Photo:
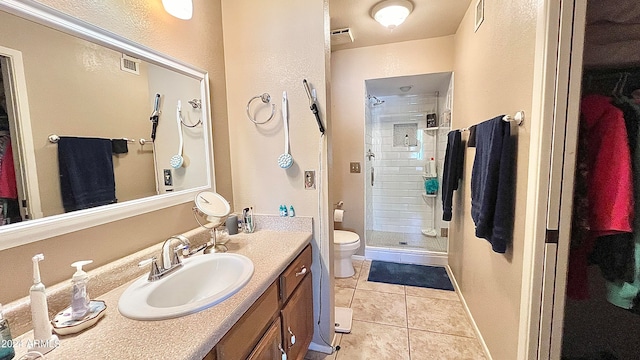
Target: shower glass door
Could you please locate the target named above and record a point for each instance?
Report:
(398, 147)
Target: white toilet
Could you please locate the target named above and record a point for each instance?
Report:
(345, 244)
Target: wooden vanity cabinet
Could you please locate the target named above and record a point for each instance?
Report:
(268, 328)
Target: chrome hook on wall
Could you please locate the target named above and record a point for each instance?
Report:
(265, 98)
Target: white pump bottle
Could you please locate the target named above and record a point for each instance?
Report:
(80, 297)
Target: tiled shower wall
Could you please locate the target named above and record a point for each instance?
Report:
(397, 204)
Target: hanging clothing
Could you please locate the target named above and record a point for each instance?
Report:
(452, 173)
(624, 293)
(8, 187)
(604, 164)
(609, 161)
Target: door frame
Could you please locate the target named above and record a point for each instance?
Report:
(557, 82)
(20, 129)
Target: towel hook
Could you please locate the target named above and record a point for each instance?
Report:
(265, 98)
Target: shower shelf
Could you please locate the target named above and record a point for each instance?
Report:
(426, 196)
(430, 128)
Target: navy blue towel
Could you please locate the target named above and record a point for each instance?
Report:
(492, 183)
(86, 172)
(452, 173)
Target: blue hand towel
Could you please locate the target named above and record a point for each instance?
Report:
(492, 183)
(86, 172)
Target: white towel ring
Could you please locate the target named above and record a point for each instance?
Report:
(266, 98)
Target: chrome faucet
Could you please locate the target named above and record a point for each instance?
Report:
(170, 257)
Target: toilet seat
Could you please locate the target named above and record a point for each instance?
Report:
(343, 237)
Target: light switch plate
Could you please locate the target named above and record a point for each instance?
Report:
(168, 177)
(354, 167)
(309, 179)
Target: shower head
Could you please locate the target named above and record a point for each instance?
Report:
(375, 100)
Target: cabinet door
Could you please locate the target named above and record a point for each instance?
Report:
(297, 320)
(270, 346)
(245, 334)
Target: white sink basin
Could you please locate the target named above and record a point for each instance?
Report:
(203, 281)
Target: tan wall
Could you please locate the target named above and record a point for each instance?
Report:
(197, 41)
(349, 70)
(80, 91)
(493, 76)
(271, 47)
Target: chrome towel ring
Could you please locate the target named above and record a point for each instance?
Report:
(266, 98)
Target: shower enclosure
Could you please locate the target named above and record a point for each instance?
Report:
(401, 139)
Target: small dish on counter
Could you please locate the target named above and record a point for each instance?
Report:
(63, 324)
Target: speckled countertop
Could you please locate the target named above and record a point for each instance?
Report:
(191, 336)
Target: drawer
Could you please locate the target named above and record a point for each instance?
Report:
(245, 334)
(294, 274)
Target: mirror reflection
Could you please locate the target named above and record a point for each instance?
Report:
(86, 139)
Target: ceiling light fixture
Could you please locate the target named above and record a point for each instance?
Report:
(391, 13)
(182, 9)
(405, 88)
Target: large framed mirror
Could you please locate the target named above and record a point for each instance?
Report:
(69, 89)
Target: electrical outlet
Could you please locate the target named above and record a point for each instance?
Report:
(309, 179)
(354, 167)
(168, 177)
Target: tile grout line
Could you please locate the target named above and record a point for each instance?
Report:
(444, 333)
(406, 309)
(379, 323)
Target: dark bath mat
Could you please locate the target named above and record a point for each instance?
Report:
(412, 275)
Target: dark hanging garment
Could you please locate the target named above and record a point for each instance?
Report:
(452, 173)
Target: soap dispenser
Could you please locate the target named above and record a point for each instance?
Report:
(80, 297)
(43, 340)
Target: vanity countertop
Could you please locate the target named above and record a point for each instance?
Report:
(187, 337)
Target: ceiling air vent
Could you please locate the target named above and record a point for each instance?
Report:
(341, 36)
(130, 64)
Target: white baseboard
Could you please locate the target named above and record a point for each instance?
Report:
(405, 256)
(469, 316)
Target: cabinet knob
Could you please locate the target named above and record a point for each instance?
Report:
(302, 271)
(293, 336)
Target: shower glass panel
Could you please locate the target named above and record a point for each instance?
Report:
(399, 213)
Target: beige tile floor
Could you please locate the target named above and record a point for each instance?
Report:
(401, 322)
